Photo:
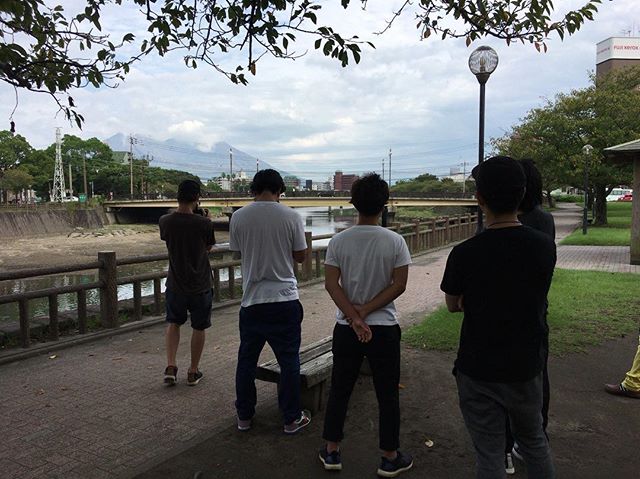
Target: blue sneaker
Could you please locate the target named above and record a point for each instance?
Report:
(403, 462)
(331, 460)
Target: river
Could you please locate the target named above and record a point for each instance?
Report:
(317, 220)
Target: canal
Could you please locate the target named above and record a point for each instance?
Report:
(319, 221)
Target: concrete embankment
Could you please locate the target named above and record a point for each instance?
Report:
(33, 223)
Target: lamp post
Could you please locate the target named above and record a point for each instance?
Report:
(482, 63)
(586, 150)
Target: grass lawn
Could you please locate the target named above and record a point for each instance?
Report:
(415, 212)
(616, 233)
(585, 308)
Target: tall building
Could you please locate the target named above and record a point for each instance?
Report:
(342, 182)
(617, 52)
(291, 182)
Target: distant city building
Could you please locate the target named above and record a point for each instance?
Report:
(223, 182)
(342, 182)
(617, 52)
(308, 185)
(292, 182)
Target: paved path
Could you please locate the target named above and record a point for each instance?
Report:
(99, 410)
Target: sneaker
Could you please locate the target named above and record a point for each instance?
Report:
(620, 390)
(508, 464)
(302, 421)
(331, 460)
(170, 374)
(243, 424)
(403, 462)
(194, 378)
(515, 452)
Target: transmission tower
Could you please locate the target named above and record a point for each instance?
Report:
(58, 175)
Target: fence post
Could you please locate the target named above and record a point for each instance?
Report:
(53, 317)
(232, 282)
(308, 259)
(416, 237)
(157, 295)
(25, 332)
(216, 285)
(447, 230)
(137, 301)
(318, 264)
(82, 311)
(108, 276)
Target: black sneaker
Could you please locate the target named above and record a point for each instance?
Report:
(194, 378)
(331, 460)
(170, 374)
(403, 462)
(508, 464)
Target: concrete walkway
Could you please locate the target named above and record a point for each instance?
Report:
(100, 410)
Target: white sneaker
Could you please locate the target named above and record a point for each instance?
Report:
(508, 464)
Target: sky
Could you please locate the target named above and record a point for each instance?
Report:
(311, 117)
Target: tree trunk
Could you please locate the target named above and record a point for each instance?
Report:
(550, 199)
(600, 206)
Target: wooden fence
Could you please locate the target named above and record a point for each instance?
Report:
(419, 236)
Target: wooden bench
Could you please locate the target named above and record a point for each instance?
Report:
(316, 362)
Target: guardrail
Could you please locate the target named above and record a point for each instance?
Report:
(419, 236)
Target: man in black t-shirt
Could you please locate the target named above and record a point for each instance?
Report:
(500, 279)
(189, 237)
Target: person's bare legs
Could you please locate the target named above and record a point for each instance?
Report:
(197, 345)
(172, 339)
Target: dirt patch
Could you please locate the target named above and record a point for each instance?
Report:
(82, 245)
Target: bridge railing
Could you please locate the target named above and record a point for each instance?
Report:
(420, 236)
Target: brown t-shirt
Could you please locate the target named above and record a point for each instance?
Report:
(188, 237)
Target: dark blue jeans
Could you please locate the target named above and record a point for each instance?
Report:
(278, 324)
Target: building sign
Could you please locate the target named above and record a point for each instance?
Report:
(619, 48)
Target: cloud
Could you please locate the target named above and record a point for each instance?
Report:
(311, 116)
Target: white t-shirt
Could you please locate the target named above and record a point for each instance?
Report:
(367, 256)
(267, 233)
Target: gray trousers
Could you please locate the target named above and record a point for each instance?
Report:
(484, 406)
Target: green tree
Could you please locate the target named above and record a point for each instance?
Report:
(604, 114)
(52, 51)
(15, 180)
(14, 149)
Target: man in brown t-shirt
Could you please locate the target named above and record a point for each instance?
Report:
(189, 237)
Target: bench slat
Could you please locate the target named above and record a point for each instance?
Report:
(316, 360)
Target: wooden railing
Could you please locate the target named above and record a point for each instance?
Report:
(419, 236)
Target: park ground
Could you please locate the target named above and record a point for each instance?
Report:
(100, 410)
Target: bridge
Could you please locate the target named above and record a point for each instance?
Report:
(149, 211)
(293, 202)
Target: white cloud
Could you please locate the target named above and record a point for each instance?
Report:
(312, 116)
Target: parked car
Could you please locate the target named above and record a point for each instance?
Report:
(627, 197)
(617, 193)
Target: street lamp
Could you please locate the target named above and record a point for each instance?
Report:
(482, 63)
(586, 150)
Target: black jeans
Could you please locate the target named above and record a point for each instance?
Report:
(278, 324)
(383, 352)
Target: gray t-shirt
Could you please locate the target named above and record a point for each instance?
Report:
(366, 256)
(267, 233)
(188, 237)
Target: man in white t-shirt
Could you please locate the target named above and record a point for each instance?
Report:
(270, 237)
(366, 269)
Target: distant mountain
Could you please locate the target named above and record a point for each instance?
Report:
(179, 155)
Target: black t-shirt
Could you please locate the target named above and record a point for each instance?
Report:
(188, 237)
(540, 220)
(504, 275)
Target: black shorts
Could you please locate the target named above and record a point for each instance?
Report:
(198, 305)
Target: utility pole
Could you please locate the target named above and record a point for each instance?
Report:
(464, 177)
(131, 141)
(58, 172)
(257, 165)
(389, 167)
(383, 167)
(84, 174)
(70, 181)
